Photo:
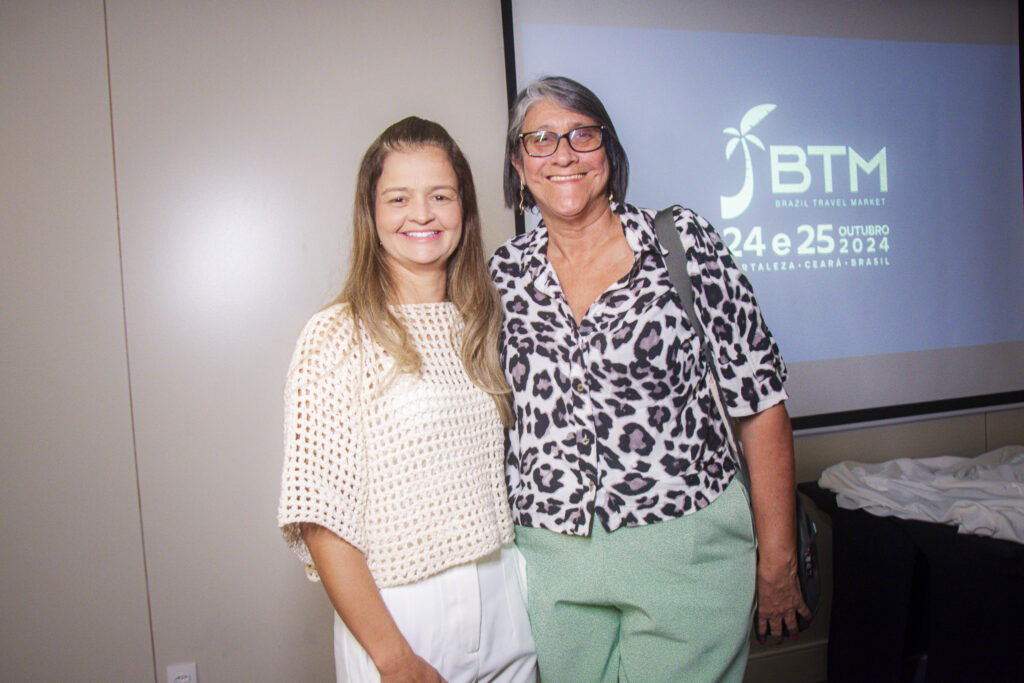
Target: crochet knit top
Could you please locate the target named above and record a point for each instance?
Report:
(408, 468)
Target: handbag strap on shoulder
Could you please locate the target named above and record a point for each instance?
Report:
(675, 262)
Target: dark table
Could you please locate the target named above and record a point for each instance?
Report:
(903, 587)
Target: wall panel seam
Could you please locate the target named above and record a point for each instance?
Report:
(124, 327)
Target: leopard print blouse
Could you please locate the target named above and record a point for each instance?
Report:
(614, 416)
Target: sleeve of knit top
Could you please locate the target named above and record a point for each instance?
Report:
(323, 479)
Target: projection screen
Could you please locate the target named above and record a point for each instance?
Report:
(861, 160)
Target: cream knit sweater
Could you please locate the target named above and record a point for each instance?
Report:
(409, 471)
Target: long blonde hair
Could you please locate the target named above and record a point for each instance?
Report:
(369, 287)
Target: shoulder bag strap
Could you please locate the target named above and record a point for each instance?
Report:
(675, 262)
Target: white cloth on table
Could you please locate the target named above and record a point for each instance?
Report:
(983, 495)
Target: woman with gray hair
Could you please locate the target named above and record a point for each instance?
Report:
(640, 555)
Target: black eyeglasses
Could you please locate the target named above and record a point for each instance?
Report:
(543, 143)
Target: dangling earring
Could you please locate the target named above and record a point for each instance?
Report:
(522, 197)
(611, 196)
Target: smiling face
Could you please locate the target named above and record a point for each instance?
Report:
(568, 186)
(418, 213)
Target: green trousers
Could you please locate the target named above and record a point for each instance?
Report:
(669, 602)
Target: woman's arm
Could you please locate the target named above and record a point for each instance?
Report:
(354, 594)
(768, 444)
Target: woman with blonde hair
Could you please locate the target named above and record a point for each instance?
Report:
(393, 490)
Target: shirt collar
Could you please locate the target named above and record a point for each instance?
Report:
(637, 226)
(535, 261)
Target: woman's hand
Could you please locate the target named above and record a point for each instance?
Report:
(352, 591)
(768, 444)
(779, 599)
(410, 669)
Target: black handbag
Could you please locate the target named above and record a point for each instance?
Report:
(808, 568)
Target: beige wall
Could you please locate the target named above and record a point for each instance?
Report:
(963, 435)
(72, 579)
(234, 129)
(171, 212)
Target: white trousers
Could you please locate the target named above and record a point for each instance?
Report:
(469, 622)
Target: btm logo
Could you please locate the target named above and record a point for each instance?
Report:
(790, 173)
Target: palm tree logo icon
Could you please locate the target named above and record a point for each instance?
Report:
(736, 204)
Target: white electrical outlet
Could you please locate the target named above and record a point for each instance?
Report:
(182, 673)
